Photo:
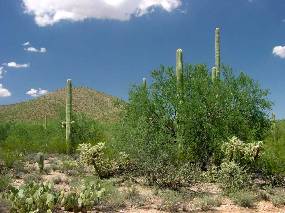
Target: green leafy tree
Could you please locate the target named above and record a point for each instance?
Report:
(210, 113)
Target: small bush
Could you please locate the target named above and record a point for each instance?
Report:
(171, 201)
(10, 158)
(5, 181)
(244, 198)
(112, 198)
(278, 199)
(208, 202)
(232, 177)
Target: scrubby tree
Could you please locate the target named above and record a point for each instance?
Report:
(211, 112)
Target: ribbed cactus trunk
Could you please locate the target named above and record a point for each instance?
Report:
(214, 73)
(179, 73)
(179, 85)
(68, 114)
(218, 52)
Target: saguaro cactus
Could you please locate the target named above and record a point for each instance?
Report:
(179, 83)
(144, 83)
(179, 72)
(214, 73)
(218, 51)
(68, 115)
(68, 109)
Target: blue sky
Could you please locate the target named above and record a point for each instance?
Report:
(109, 45)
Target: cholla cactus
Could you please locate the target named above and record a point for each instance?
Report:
(218, 51)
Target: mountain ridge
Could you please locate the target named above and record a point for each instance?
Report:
(94, 104)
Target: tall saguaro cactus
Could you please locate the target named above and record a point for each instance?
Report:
(68, 115)
(68, 109)
(218, 51)
(179, 72)
(179, 83)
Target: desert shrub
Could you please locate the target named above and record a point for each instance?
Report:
(273, 158)
(10, 158)
(171, 200)
(112, 197)
(232, 177)
(5, 181)
(207, 202)
(244, 198)
(278, 199)
(4, 130)
(169, 175)
(38, 197)
(103, 165)
(157, 123)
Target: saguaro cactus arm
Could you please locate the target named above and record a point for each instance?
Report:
(68, 109)
(144, 83)
(179, 71)
(218, 51)
(214, 73)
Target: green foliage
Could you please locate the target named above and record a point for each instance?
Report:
(21, 139)
(244, 198)
(209, 114)
(232, 177)
(5, 181)
(33, 197)
(273, 159)
(96, 156)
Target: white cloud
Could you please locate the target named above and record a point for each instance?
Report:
(279, 51)
(15, 65)
(36, 92)
(49, 12)
(4, 92)
(35, 50)
(2, 71)
(26, 43)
